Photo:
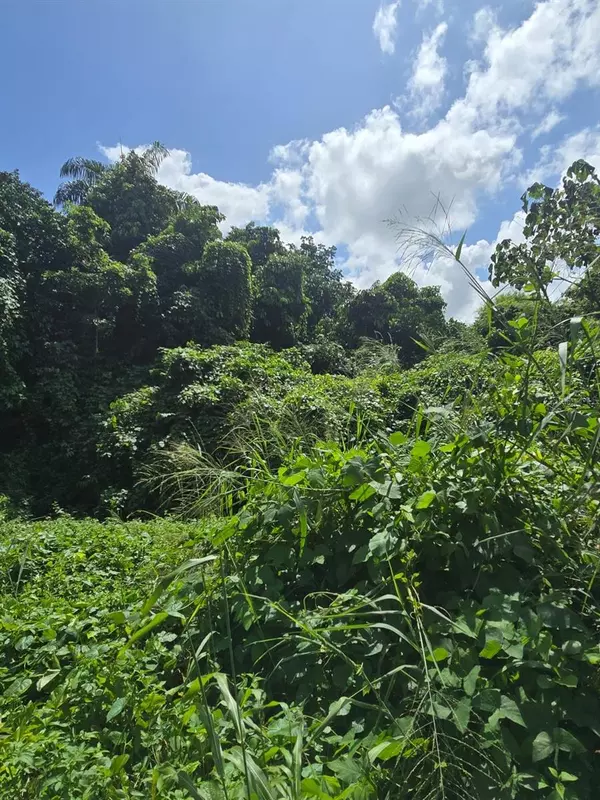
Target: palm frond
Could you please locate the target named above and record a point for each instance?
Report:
(184, 201)
(154, 155)
(81, 168)
(71, 192)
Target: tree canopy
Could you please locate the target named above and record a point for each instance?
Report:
(92, 293)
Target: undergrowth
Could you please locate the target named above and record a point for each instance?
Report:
(398, 612)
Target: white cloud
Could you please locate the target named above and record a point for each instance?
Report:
(554, 161)
(484, 22)
(438, 5)
(344, 185)
(426, 84)
(358, 178)
(543, 60)
(239, 202)
(550, 121)
(384, 26)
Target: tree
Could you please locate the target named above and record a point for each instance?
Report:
(84, 173)
(225, 279)
(561, 231)
(396, 312)
(180, 243)
(12, 286)
(281, 307)
(87, 172)
(367, 315)
(40, 232)
(131, 200)
(323, 283)
(260, 241)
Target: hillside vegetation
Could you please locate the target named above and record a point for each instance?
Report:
(264, 536)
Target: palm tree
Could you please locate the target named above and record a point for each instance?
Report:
(86, 172)
(153, 156)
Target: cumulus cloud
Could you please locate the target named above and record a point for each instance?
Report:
(484, 22)
(543, 60)
(344, 185)
(426, 83)
(549, 122)
(554, 161)
(384, 26)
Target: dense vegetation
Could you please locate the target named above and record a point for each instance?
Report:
(343, 547)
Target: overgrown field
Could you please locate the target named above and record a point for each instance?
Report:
(264, 536)
(415, 615)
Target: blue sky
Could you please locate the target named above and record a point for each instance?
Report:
(322, 116)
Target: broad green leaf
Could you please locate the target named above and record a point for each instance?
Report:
(462, 713)
(386, 750)
(117, 763)
(592, 657)
(543, 746)
(398, 438)
(426, 499)
(18, 686)
(567, 777)
(440, 710)
(420, 449)
(393, 749)
(572, 647)
(439, 654)
(45, 679)
(116, 708)
(311, 788)
(388, 488)
(291, 479)
(567, 742)
(347, 769)
(381, 543)
(362, 493)
(491, 649)
(510, 710)
(470, 682)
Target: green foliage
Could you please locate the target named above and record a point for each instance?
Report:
(386, 586)
(225, 280)
(281, 306)
(561, 227)
(260, 241)
(133, 203)
(11, 340)
(324, 286)
(228, 400)
(411, 615)
(397, 312)
(517, 318)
